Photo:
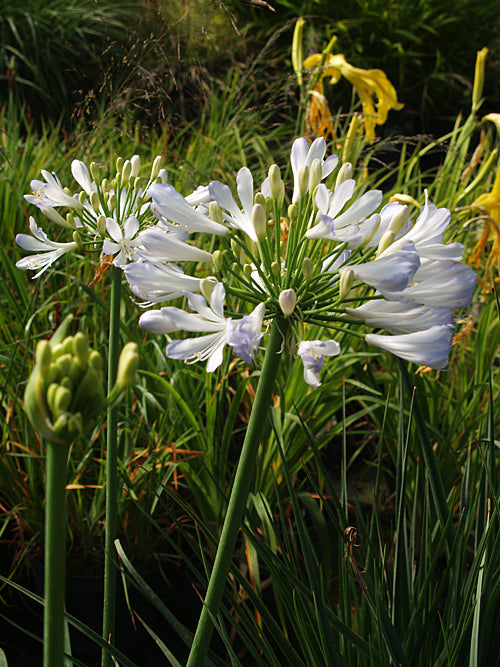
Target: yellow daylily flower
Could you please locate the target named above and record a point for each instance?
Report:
(489, 205)
(369, 84)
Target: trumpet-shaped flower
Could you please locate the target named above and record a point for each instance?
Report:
(51, 193)
(397, 317)
(369, 84)
(154, 283)
(170, 205)
(243, 336)
(47, 251)
(313, 353)
(430, 347)
(389, 272)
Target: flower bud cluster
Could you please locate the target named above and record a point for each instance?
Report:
(65, 389)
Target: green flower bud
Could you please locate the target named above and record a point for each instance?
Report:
(112, 201)
(345, 172)
(77, 238)
(247, 270)
(307, 268)
(104, 186)
(315, 175)
(128, 363)
(275, 268)
(215, 212)
(207, 287)
(275, 183)
(217, 260)
(259, 221)
(135, 164)
(82, 197)
(70, 220)
(287, 300)
(126, 171)
(43, 355)
(155, 169)
(81, 346)
(345, 283)
(94, 172)
(119, 165)
(400, 220)
(260, 199)
(94, 201)
(303, 180)
(101, 224)
(386, 241)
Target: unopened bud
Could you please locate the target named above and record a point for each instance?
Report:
(477, 90)
(43, 355)
(126, 171)
(215, 212)
(346, 281)
(101, 225)
(259, 221)
(344, 174)
(119, 165)
(112, 201)
(287, 300)
(128, 363)
(259, 199)
(315, 174)
(275, 269)
(94, 201)
(155, 168)
(275, 183)
(77, 238)
(307, 268)
(303, 180)
(386, 240)
(135, 163)
(217, 260)
(207, 287)
(94, 172)
(293, 213)
(400, 220)
(247, 270)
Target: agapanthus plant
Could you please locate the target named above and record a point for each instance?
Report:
(329, 261)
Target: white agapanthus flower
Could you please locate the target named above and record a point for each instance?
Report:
(429, 347)
(124, 240)
(243, 335)
(303, 155)
(313, 353)
(47, 251)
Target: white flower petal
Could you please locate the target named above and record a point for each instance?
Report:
(430, 347)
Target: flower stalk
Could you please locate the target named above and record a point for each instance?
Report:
(239, 493)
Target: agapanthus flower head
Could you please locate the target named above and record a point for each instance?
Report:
(107, 213)
(332, 257)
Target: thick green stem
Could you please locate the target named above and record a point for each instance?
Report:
(108, 622)
(239, 494)
(55, 555)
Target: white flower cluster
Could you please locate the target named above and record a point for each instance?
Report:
(328, 259)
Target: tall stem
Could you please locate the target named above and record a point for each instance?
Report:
(239, 494)
(55, 554)
(109, 607)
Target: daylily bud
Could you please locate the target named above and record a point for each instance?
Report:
(215, 212)
(287, 300)
(297, 52)
(477, 90)
(345, 283)
(351, 133)
(155, 169)
(259, 221)
(307, 268)
(345, 173)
